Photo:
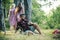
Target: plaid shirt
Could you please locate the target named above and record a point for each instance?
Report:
(24, 24)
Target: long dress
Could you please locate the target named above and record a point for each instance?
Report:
(12, 17)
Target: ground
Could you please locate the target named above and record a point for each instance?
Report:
(46, 35)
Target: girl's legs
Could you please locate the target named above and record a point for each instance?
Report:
(12, 28)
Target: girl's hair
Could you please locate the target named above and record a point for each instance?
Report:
(19, 7)
(12, 6)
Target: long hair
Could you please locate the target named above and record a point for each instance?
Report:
(12, 6)
(19, 7)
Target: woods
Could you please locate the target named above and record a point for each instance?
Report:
(49, 21)
(42, 12)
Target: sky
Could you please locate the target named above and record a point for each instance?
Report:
(46, 7)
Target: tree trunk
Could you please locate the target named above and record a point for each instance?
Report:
(17, 1)
(2, 21)
(28, 4)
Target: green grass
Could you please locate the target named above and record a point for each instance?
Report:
(46, 35)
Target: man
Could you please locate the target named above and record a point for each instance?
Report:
(25, 25)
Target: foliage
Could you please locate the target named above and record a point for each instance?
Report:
(54, 21)
(6, 5)
(38, 15)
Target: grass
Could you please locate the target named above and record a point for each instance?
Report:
(46, 35)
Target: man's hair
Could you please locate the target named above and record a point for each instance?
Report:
(22, 15)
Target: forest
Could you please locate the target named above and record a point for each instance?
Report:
(47, 19)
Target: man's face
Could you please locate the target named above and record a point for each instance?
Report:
(23, 17)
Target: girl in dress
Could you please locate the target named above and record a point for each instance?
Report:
(12, 17)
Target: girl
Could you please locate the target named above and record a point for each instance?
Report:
(18, 11)
(12, 17)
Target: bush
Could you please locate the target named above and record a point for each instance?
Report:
(57, 26)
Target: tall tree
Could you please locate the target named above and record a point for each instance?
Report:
(28, 5)
(2, 21)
